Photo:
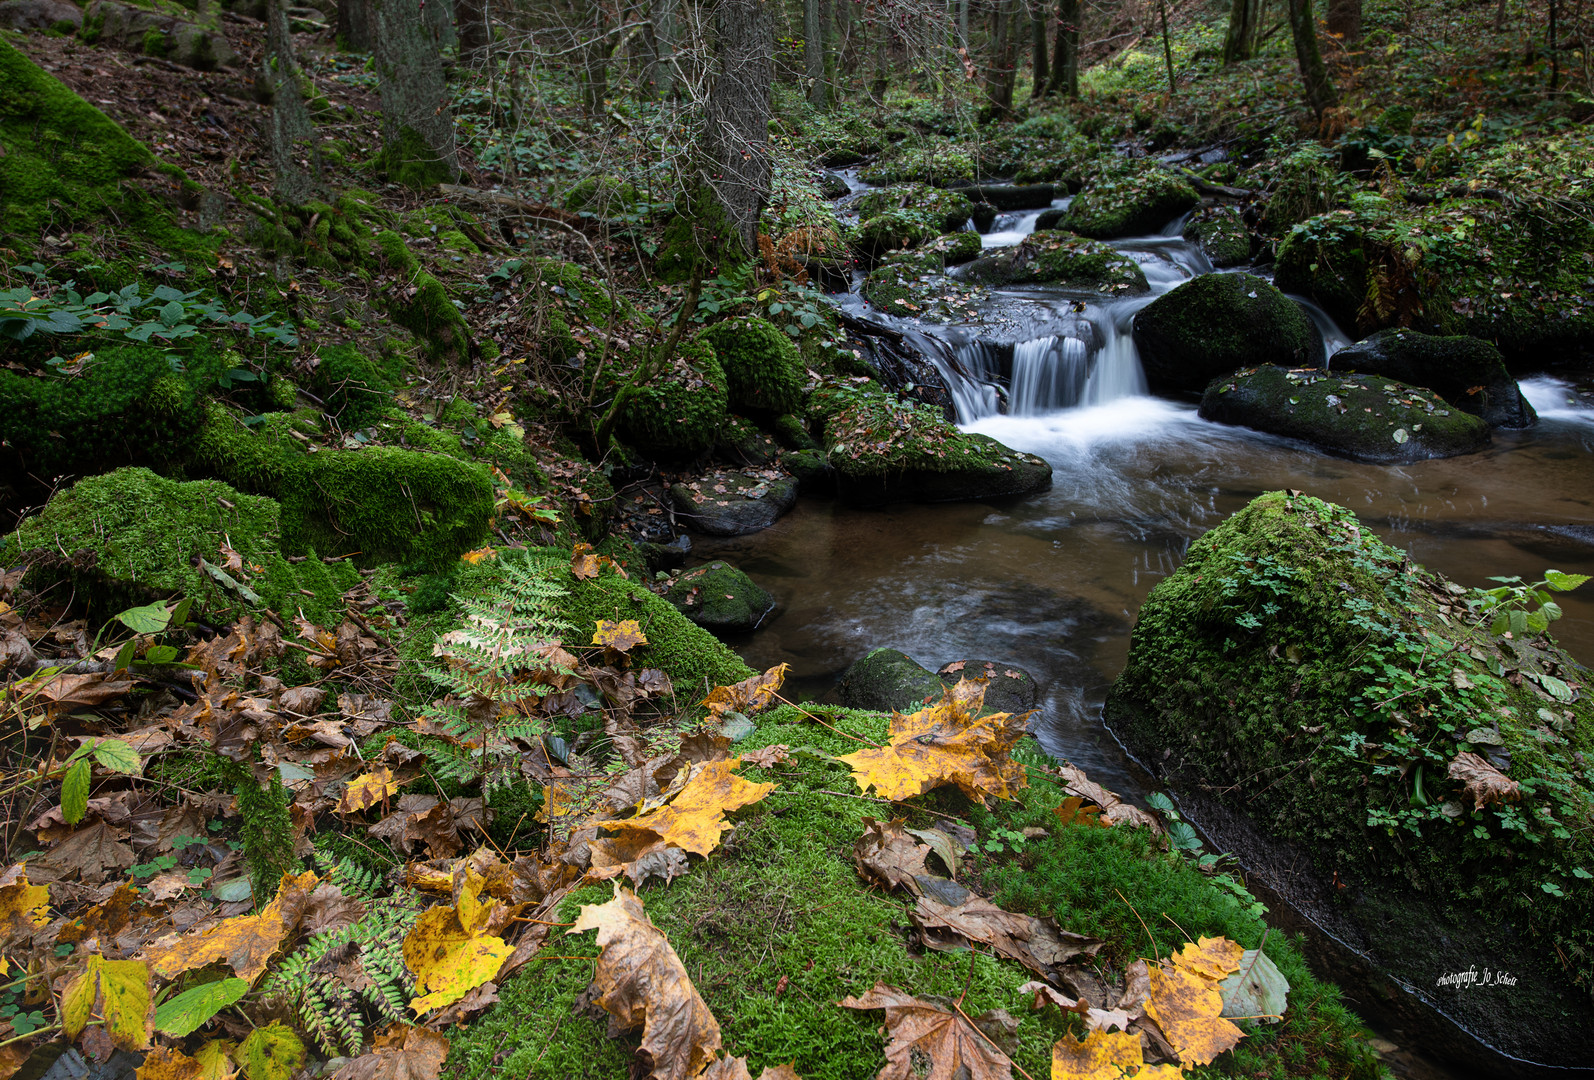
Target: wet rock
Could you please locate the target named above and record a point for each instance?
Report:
(1222, 236)
(733, 503)
(1363, 417)
(1062, 259)
(1007, 688)
(983, 215)
(1051, 219)
(665, 556)
(1011, 196)
(889, 679)
(1218, 323)
(1002, 472)
(1129, 199)
(951, 209)
(39, 14)
(814, 475)
(832, 186)
(720, 598)
(141, 30)
(1468, 373)
(742, 444)
(893, 230)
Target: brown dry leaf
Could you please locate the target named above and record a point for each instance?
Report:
(640, 981)
(748, 696)
(453, 950)
(1038, 944)
(585, 563)
(109, 917)
(886, 854)
(61, 694)
(303, 700)
(1105, 1055)
(621, 636)
(166, 1063)
(767, 757)
(1483, 782)
(694, 820)
(401, 1052)
(89, 854)
(922, 1028)
(1188, 1009)
(948, 742)
(735, 1068)
(245, 943)
(639, 855)
(24, 907)
(1095, 1019)
(371, 789)
(1114, 811)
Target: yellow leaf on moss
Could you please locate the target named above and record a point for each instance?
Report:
(1105, 1055)
(246, 943)
(748, 696)
(1188, 1008)
(453, 950)
(622, 636)
(695, 819)
(116, 992)
(368, 790)
(480, 554)
(1215, 958)
(945, 743)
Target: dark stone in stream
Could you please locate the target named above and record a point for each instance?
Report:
(814, 474)
(1050, 219)
(720, 598)
(999, 471)
(1064, 260)
(1221, 235)
(983, 215)
(1217, 323)
(1011, 196)
(832, 186)
(732, 503)
(1467, 372)
(887, 679)
(1362, 417)
(1007, 688)
(670, 556)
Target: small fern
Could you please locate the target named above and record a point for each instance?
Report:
(339, 979)
(497, 666)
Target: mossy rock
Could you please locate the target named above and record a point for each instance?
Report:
(602, 197)
(679, 412)
(1129, 200)
(698, 240)
(1064, 260)
(252, 457)
(742, 444)
(893, 230)
(730, 503)
(913, 282)
(955, 248)
(569, 303)
(1362, 417)
(1309, 688)
(1222, 236)
(1468, 373)
(1218, 323)
(937, 163)
(129, 537)
(888, 679)
(763, 370)
(720, 598)
(1008, 689)
(170, 34)
(383, 504)
(68, 165)
(951, 209)
(420, 303)
(409, 160)
(355, 387)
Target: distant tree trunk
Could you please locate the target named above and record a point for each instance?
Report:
(594, 77)
(475, 35)
(1038, 43)
(829, 29)
(963, 23)
(1345, 21)
(814, 53)
(736, 132)
(355, 23)
(292, 132)
(1065, 60)
(1003, 67)
(1321, 94)
(658, 76)
(1499, 17)
(417, 125)
(882, 64)
(1555, 55)
(1245, 19)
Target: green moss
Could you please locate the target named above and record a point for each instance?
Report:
(254, 460)
(679, 413)
(311, 587)
(1216, 323)
(386, 504)
(697, 241)
(68, 165)
(937, 163)
(762, 368)
(456, 241)
(893, 230)
(951, 209)
(569, 303)
(427, 311)
(720, 597)
(410, 161)
(1129, 199)
(1222, 235)
(1060, 258)
(602, 196)
(355, 388)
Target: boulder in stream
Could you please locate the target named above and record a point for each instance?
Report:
(720, 598)
(893, 230)
(1011, 196)
(1221, 235)
(1064, 260)
(950, 209)
(1345, 722)
(1129, 199)
(1362, 417)
(1467, 372)
(1008, 689)
(733, 503)
(1217, 323)
(890, 679)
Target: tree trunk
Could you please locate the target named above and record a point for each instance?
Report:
(292, 132)
(1003, 67)
(417, 125)
(594, 77)
(963, 23)
(882, 64)
(475, 35)
(829, 28)
(814, 53)
(1345, 22)
(1038, 43)
(736, 128)
(659, 74)
(1321, 94)
(1245, 17)
(1065, 60)
(355, 23)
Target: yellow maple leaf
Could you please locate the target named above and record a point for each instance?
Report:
(480, 554)
(116, 992)
(1187, 1007)
(246, 942)
(948, 742)
(368, 790)
(453, 950)
(166, 1063)
(622, 636)
(1215, 958)
(1105, 1055)
(23, 907)
(216, 1060)
(695, 819)
(748, 696)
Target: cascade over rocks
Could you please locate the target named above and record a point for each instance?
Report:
(1468, 373)
(1216, 323)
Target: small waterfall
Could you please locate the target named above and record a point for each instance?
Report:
(1048, 373)
(1117, 372)
(1044, 374)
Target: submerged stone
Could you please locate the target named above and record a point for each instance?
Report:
(889, 679)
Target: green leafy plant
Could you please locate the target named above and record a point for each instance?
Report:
(1002, 839)
(1520, 609)
(165, 314)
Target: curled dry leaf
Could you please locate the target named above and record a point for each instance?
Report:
(1485, 784)
(640, 981)
(245, 943)
(767, 757)
(887, 855)
(1095, 1019)
(945, 743)
(918, 1027)
(1114, 811)
(401, 1052)
(1039, 944)
(748, 696)
(167, 1063)
(735, 1068)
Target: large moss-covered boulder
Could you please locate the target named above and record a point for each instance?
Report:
(934, 163)
(1221, 235)
(1065, 260)
(763, 370)
(129, 537)
(1414, 783)
(1129, 199)
(893, 230)
(1216, 323)
(949, 209)
(679, 412)
(720, 598)
(1467, 372)
(574, 309)
(1362, 417)
(420, 303)
(142, 29)
(383, 504)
